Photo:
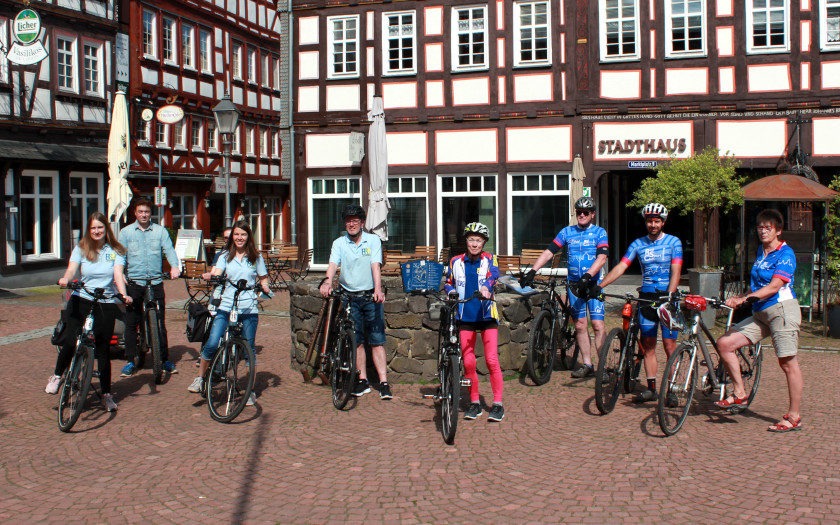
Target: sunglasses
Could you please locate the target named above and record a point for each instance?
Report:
(583, 212)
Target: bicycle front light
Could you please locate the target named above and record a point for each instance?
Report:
(453, 339)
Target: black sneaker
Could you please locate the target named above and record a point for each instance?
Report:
(473, 411)
(645, 396)
(385, 391)
(583, 371)
(362, 387)
(497, 413)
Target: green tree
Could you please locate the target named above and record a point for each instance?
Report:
(697, 184)
(832, 237)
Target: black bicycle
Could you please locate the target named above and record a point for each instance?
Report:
(77, 379)
(339, 363)
(231, 374)
(150, 338)
(552, 335)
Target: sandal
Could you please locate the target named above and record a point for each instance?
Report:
(795, 424)
(736, 402)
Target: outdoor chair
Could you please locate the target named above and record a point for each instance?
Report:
(198, 289)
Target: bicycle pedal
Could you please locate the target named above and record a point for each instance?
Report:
(430, 396)
(466, 382)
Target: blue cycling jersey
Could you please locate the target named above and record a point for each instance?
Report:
(582, 246)
(780, 263)
(656, 258)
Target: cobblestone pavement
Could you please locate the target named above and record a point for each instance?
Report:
(295, 459)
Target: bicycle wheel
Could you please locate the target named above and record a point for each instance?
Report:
(76, 386)
(677, 389)
(343, 368)
(610, 369)
(567, 358)
(450, 396)
(230, 380)
(155, 344)
(539, 361)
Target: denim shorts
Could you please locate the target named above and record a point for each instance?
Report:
(369, 321)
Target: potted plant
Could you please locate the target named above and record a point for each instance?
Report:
(832, 260)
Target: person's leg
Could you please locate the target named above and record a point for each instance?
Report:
(160, 296)
(726, 346)
(793, 376)
(103, 323)
(217, 330)
(578, 307)
(596, 316)
(490, 338)
(468, 338)
(375, 322)
(133, 315)
(785, 332)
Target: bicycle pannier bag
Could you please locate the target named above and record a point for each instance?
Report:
(198, 323)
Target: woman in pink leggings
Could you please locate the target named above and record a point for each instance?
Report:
(476, 271)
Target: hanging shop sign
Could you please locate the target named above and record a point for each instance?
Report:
(27, 48)
(170, 114)
(642, 141)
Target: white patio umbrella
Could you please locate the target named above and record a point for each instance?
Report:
(119, 159)
(378, 205)
(576, 190)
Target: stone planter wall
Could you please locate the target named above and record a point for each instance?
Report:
(411, 331)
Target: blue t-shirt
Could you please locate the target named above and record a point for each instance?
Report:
(98, 273)
(656, 258)
(236, 270)
(355, 260)
(582, 245)
(780, 263)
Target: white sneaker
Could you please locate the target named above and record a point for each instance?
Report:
(108, 401)
(53, 384)
(252, 400)
(197, 385)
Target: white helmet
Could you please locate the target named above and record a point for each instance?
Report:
(477, 228)
(669, 317)
(655, 210)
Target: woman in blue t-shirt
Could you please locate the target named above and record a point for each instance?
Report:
(100, 257)
(775, 312)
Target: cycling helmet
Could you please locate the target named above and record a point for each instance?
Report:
(585, 203)
(353, 210)
(669, 316)
(655, 210)
(478, 229)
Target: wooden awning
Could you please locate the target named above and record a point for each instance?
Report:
(787, 188)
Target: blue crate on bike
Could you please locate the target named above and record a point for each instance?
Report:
(421, 275)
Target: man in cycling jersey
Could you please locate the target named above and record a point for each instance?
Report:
(660, 256)
(359, 255)
(586, 246)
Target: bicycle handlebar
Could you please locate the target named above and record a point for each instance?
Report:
(96, 293)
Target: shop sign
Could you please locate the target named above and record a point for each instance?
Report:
(219, 185)
(170, 114)
(642, 164)
(121, 59)
(27, 49)
(642, 141)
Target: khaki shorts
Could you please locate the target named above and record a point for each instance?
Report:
(780, 321)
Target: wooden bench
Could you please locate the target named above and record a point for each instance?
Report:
(426, 252)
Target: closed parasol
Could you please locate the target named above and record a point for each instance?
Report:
(378, 205)
(576, 190)
(119, 159)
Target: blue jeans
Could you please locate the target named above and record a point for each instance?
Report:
(368, 320)
(217, 330)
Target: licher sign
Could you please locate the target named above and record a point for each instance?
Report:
(642, 141)
(27, 49)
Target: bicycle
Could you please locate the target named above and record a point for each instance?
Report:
(77, 380)
(338, 363)
(552, 332)
(150, 337)
(679, 380)
(617, 362)
(232, 372)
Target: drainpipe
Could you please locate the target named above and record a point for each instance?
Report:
(292, 166)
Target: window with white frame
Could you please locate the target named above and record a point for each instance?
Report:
(183, 211)
(265, 70)
(93, 68)
(187, 45)
(275, 71)
(532, 47)
(685, 27)
(144, 131)
(66, 63)
(469, 33)
(250, 207)
(829, 25)
(327, 197)
(252, 66)
(85, 198)
(399, 43)
(619, 26)
(464, 199)
(195, 134)
(236, 61)
(538, 207)
(275, 144)
(39, 219)
(178, 140)
(343, 45)
(408, 218)
(236, 148)
(273, 219)
(767, 26)
(149, 34)
(211, 135)
(249, 140)
(169, 40)
(264, 143)
(161, 135)
(204, 51)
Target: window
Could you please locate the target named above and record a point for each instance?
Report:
(275, 143)
(408, 218)
(65, 59)
(829, 24)
(160, 134)
(183, 211)
(767, 26)
(204, 54)
(236, 61)
(252, 66)
(531, 25)
(178, 128)
(343, 43)
(85, 198)
(249, 140)
(399, 42)
(149, 34)
(144, 131)
(250, 207)
(195, 134)
(236, 148)
(93, 73)
(275, 66)
(39, 220)
(169, 40)
(538, 205)
(265, 72)
(686, 27)
(264, 143)
(187, 46)
(327, 197)
(211, 134)
(274, 218)
(619, 29)
(469, 29)
(464, 199)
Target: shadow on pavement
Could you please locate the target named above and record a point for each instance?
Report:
(243, 500)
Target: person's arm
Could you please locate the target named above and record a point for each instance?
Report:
(119, 282)
(376, 272)
(171, 254)
(676, 269)
(616, 272)
(544, 257)
(72, 268)
(486, 289)
(326, 284)
(599, 263)
(262, 275)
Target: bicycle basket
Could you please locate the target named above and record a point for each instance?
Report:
(421, 275)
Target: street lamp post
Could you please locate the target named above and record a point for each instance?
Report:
(227, 117)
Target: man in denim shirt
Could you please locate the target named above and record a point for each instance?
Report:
(145, 244)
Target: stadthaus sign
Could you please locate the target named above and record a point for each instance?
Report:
(27, 49)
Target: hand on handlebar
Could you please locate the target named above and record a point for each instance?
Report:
(528, 278)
